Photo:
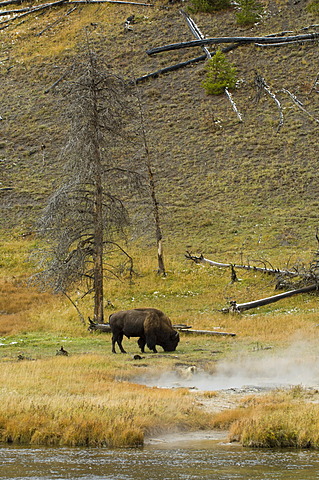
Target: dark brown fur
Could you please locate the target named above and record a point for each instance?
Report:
(152, 327)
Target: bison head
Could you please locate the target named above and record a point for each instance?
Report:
(170, 343)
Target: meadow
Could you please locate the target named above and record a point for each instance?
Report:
(90, 398)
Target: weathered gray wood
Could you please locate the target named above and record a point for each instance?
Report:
(105, 327)
(17, 10)
(300, 105)
(32, 10)
(241, 40)
(240, 307)
(195, 31)
(272, 271)
(112, 1)
(207, 332)
(102, 327)
(10, 2)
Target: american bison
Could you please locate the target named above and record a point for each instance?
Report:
(152, 327)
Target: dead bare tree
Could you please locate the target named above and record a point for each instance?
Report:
(152, 189)
(86, 214)
(306, 280)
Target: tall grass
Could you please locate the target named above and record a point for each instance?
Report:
(77, 401)
(282, 419)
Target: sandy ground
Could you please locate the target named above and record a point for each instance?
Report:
(221, 400)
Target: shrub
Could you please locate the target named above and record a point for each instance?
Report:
(220, 74)
(209, 5)
(249, 12)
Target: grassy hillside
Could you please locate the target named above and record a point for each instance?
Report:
(220, 182)
(235, 191)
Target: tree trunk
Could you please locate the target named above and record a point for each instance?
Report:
(98, 207)
(159, 236)
(98, 256)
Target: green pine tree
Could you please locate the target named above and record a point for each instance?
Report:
(250, 12)
(221, 74)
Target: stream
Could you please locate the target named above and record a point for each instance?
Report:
(179, 459)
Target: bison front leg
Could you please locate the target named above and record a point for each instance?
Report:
(117, 339)
(151, 343)
(141, 343)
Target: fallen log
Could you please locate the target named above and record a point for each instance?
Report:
(16, 10)
(300, 105)
(272, 271)
(198, 34)
(105, 327)
(195, 31)
(177, 66)
(207, 332)
(32, 10)
(241, 40)
(102, 327)
(9, 2)
(261, 84)
(240, 307)
(112, 1)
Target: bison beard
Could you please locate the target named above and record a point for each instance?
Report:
(152, 327)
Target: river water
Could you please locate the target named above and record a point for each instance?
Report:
(200, 459)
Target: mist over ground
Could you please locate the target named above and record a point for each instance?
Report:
(296, 365)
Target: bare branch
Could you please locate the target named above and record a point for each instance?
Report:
(262, 85)
(233, 104)
(300, 105)
(272, 271)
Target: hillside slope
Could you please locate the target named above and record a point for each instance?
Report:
(220, 182)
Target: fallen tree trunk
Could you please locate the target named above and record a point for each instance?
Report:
(240, 307)
(195, 31)
(10, 2)
(105, 327)
(273, 271)
(300, 105)
(198, 34)
(206, 332)
(32, 10)
(177, 66)
(102, 327)
(16, 10)
(240, 40)
(112, 1)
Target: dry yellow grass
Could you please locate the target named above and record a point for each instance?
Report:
(282, 419)
(77, 401)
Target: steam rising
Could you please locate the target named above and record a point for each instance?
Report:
(297, 365)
